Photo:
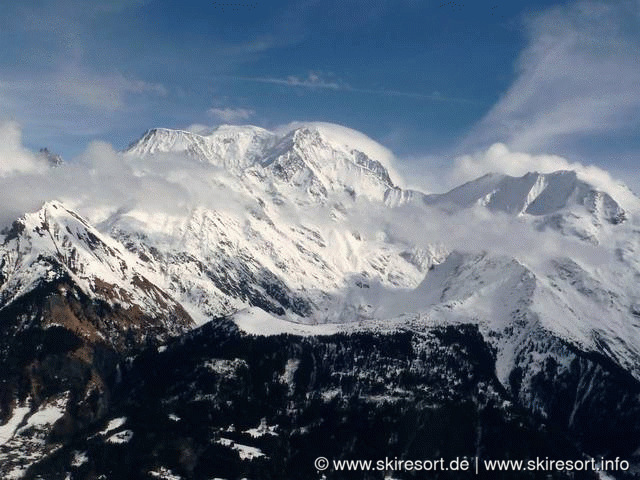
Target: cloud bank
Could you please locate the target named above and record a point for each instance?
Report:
(101, 181)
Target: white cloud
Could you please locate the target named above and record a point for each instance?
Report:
(101, 181)
(313, 80)
(578, 77)
(199, 129)
(323, 81)
(231, 115)
(14, 158)
(500, 159)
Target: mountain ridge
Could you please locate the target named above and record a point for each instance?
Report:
(302, 237)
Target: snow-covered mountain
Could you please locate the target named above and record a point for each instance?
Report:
(313, 158)
(534, 194)
(58, 248)
(278, 237)
(559, 200)
(228, 147)
(307, 231)
(303, 224)
(72, 302)
(315, 265)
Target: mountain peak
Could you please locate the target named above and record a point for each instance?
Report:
(317, 157)
(228, 146)
(55, 243)
(163, 140)
(534, 193)
(306, 157)
(347, 139)
(53, 159)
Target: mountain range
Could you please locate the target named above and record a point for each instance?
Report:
(295, 290)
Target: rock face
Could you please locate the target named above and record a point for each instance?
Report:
(53, 159)
(301, 303)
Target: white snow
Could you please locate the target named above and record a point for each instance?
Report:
(231, 147)
(223, 366)
(17, 472)
(8, 429)
(299, 214)
(245, 452)
(604, 476)
(256, 321)
(48, 415)
(113, 425)
(27, 444)
(121, 437)
(262, 429)
(349, 139)
(289, 372)
(164, 473)
(79, 458)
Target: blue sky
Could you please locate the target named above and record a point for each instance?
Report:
(428, 79)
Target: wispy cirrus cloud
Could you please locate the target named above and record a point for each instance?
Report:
(312, 81)
(578, 77)
(74, 102)
(230, 115)
(76, 87)
(107, 92)
(320, 81)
